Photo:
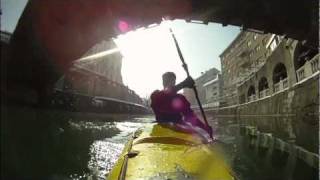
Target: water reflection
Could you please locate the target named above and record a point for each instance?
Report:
(104, 153)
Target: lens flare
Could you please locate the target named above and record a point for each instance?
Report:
(123, 26)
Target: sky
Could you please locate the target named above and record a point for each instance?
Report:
(151, 52)
(11, 11)
(148, 53)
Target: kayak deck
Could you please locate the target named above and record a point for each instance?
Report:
(159, 152)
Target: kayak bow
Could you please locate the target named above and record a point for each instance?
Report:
(159, 152)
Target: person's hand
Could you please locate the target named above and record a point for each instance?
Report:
(209, 131)
(188, 82)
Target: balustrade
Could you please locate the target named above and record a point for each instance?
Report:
(282, 84)
(301, 73)
(277, 87)
(264, 93)
(261, 94)
(285, 83)
(267, 92)
(315, 64)
(251, 98)
(309, 68)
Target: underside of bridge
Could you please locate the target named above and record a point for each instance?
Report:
(51, 34)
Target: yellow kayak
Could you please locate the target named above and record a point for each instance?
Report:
(160, 152)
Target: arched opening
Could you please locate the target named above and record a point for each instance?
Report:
(279, 77)
(263, 87)
(251, 94)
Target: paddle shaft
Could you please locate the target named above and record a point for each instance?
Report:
(185, 67)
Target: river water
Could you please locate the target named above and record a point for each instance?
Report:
(54, 145)
(62, 145)
(104, 151)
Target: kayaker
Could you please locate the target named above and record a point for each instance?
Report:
(171, 107)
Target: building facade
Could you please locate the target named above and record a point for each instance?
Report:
(282, 96)
(209, 89)
(241, 59)
(257, 65)
(289, 64)
(213, 92)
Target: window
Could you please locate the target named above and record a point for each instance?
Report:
(264, 41)
(249, 43)
(258, 48)
(251, 54)
(277, 39)
(257, 62)
(273, 44)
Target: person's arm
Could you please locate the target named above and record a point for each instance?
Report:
(191, 117)
(153, 98)
(187, 83)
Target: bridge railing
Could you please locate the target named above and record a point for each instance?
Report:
(72, 101)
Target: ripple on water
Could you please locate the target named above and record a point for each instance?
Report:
(104, 153)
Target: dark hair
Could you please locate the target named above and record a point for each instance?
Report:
(168, 75)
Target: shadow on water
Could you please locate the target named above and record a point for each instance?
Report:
(48, 144)
(252, 162)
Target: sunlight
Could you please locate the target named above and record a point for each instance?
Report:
(98, 55)
(147, 54)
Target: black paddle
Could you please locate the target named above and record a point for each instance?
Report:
(185, 67)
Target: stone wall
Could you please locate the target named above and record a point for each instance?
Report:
(291, 115)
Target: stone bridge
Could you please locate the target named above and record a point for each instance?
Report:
(50, 34)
